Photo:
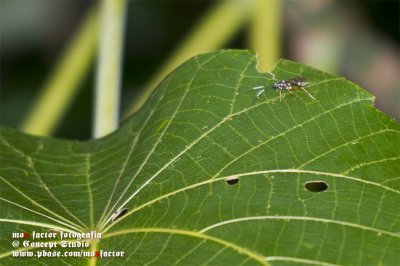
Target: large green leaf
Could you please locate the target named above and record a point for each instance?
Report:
(169, 165)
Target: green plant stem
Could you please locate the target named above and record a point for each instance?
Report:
(109, 67)
(63, 83)
(216, 28)
(265, 32)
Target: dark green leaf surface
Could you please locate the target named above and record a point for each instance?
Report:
(169, 165)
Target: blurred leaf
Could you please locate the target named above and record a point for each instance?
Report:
(210, 175)
(63, 83)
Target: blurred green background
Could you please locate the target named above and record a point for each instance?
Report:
(355, 39)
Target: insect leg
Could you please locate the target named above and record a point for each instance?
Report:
(291, 93)
(307, 93)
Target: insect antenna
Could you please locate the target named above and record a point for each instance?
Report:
(256, 88)
(261, 88)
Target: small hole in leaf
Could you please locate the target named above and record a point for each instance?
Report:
(316, 186)
(232, 180)
(119, 214)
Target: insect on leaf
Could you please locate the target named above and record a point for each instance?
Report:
(164, 188)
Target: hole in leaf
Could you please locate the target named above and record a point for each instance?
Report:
(119, 214)
(232, 180)
(316, 186)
